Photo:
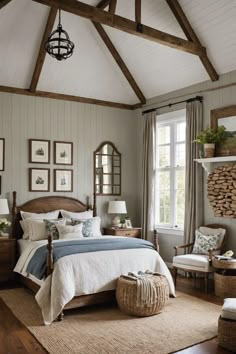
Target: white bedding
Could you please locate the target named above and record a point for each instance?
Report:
(87, 273)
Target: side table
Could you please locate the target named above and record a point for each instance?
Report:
(225, 277)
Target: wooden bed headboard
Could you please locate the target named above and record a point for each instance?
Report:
(45, 205)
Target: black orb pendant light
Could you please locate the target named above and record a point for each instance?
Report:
(59, 45)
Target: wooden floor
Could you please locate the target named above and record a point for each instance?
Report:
(16, 339)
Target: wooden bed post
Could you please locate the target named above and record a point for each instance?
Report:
(14, 208)
(94, 204)
(49, 256)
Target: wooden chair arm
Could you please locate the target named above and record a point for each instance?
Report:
(182, 246)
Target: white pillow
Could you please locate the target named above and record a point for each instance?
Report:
(81, 216)
(37, 229)
(51, 215)
(70, 232)
(203, 243)
(25, 229)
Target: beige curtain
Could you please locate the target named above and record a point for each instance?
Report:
(148, 170)
(194, 171)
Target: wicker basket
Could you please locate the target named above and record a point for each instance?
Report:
(227, 334)
(126, 296)
(225, 285)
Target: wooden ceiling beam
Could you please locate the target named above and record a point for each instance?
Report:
(42, 52)
(119, 61)
(60, 96)
(138, 11)
(4, 3)
(123, 24)
(191, 35)
(112, 6)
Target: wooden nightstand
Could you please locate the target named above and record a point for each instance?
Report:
(134, 232)
(7, 257)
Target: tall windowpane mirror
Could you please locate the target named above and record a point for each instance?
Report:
(107, 170)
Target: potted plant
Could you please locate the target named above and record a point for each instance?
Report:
(210, 137)
(4, 223)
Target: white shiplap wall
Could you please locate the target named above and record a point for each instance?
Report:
(23, 118)
(211, 100)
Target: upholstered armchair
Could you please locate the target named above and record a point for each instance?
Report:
(197, 257)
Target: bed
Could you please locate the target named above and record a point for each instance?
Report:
(79, 279)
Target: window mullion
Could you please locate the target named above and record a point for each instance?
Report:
(172, 175)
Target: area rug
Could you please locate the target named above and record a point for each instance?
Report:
(185, 321)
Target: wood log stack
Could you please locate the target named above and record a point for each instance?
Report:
(221, 188)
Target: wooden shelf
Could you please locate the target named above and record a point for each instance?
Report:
(208, 163)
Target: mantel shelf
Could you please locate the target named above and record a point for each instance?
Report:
(207, 163)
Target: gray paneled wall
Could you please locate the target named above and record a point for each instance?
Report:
(23, 118)
(212, 100)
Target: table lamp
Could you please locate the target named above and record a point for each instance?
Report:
(117, 207)
(4, 210)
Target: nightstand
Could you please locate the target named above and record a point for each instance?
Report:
(134, 232)
(7, 257)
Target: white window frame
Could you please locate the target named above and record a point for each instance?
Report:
(170, 119)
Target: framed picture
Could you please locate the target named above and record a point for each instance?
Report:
(225, 116)
(2, 154)
(128, 223)
(39, 151)
(63, 153)
(39, 179)
(63, 180)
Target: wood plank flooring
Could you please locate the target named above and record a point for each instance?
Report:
(16, 339)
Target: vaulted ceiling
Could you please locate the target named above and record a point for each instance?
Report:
(92, 71)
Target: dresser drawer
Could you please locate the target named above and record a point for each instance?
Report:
(5, 247)
(5, 257)
(129, 233)
(134, 232)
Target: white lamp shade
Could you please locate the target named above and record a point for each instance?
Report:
(117, 207)
(4, 207)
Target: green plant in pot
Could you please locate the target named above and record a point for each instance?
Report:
(210, 137)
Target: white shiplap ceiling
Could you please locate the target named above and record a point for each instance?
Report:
(92, 72)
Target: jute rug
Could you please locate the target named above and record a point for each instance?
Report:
(184, 322)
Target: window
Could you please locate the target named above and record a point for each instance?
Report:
(170, 170)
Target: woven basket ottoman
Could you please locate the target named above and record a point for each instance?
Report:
(126, 296)
(227, 325)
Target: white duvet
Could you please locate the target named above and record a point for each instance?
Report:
(87, 273)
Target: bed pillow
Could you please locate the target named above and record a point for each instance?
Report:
(203, 243)
(25, 229)
(51, 227)
(37, 229)
(51, 215)
(81, 216)
(91, 227)
(69, 231)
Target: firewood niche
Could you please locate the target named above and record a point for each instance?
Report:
(221, 188)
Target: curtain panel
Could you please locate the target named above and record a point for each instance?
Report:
(148, 175)
(194, 172)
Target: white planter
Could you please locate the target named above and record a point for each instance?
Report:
(209, 150)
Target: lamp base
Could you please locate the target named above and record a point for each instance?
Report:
(116, 221)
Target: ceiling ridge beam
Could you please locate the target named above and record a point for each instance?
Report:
(191, 35)
(42, 52)
(64, 97)
(97, 15)
(112, 6)
(4, 3)
(103, 4)
(110, 46)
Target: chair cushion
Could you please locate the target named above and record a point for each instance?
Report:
(229, 309)
(193, 261)
(203, 243)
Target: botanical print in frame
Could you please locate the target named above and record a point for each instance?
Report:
(39, 151)
(2, 154)
(225, 116)
(39, 179)
(63, 153)
(63, 180)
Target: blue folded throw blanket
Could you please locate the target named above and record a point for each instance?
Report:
(38, 263)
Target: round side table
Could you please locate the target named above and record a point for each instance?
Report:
(224, 277)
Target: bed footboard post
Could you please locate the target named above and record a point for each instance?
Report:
(94, 204)
(155, 240)
(50, 256)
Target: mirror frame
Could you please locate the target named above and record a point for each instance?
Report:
(94, 168)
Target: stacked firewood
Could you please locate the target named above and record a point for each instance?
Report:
(221, 187)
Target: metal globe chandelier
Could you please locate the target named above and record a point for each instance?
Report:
(59, 45)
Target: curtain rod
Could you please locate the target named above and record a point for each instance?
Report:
(197, 98)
